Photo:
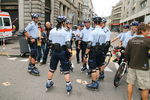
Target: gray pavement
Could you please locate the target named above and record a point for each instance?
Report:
(17, 84)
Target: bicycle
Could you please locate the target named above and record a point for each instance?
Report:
(120, 72)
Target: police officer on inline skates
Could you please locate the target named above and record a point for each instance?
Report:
(106, 45)
(84, 40)
(61, 49)
(31, 33)
(94, 52)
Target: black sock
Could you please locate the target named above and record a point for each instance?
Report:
(30, 64)
(33, 64)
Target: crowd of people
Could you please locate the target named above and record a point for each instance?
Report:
(92, 39)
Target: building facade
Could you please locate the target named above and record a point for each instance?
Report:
(116, 16)
(21, 10)
(88, 11)
(135, 10)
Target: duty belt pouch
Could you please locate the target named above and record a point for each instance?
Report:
(97, 47)
(57, 47)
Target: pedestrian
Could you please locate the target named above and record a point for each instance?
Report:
(61, 49)
(40, 43)
(31, 33)
(94, 52)
(84, 40)
(136, 54)
(77, 34)
(48, 28)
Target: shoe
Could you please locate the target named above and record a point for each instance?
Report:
(49, 84)
(78, 62)
(93, 85)
(68, 87)
(102, 76)
(30, 68)
(83, 68)
(33, 70)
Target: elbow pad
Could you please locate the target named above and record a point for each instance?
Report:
(89, 45)
(68, 44)
(24, 31)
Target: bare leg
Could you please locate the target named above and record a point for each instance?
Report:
(144, 94)
(130, 91)
(50, 75)
(67, 77)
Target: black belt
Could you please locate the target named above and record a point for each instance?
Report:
(58, 47)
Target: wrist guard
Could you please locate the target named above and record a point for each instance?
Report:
(86, 56)
(68, 44)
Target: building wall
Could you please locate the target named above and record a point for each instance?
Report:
(73, 9)
(116, 16)
(88, 11)
(135, 10)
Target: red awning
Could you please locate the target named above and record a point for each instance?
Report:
(116, 24)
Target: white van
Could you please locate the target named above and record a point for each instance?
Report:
(5, 25)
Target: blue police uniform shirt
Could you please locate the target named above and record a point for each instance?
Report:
(97, 35)
(59, 36)
(120, 35)
(126, 37)
(77, 34)
(32, 29)
(69, 31)
(107, 33)
(85, 34)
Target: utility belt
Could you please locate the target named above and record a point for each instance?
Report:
(99, 47)
(84, 43)
(29, 41)
(57, 47)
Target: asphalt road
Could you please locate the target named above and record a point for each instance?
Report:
(17, 84)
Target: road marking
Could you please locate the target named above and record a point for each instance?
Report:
(24, 60)
(108, 69)
(80, 81)
(6, 84)
(73, 52)
(12, 58)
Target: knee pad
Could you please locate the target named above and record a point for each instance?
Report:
(94, 70)
(52, 71)
(66, 72)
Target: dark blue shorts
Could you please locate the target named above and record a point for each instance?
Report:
(96, 59)
(62, 57)
(33, 50)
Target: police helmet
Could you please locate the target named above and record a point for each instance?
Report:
(68, 22)
(97, 20)
(87, 21)
(126, 26)
(81, 25)
(61, 19)
(134, 23)
(34, 15)
(104, 20)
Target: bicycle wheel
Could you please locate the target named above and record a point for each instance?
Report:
(119, 74)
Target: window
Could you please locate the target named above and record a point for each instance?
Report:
(143, 4)
(6, 22)
(1, 24)
(133, 10)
